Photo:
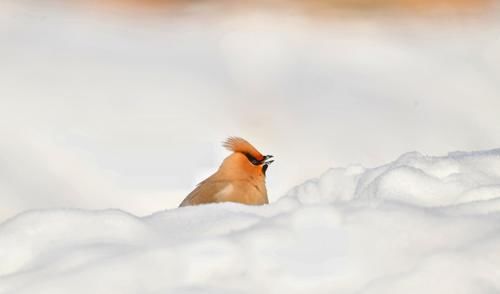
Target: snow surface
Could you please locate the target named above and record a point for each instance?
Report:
(103, 111)
(419, 224)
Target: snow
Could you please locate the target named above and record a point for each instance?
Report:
(104, 111)
(415, 179)
(417, 224)
(107, 120)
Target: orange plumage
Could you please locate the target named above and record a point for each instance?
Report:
(240, 178)
(237, 144)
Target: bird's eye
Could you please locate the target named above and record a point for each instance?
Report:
(252, 159)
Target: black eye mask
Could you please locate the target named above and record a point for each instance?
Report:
(265, 162)
(252, 159)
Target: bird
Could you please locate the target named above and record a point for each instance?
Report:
(240, 178)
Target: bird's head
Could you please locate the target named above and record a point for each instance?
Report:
(246, 158)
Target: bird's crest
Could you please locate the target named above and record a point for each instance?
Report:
(237, 144)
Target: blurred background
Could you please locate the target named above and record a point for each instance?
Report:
(123, 104)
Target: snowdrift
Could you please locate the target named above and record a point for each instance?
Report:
(417, 225)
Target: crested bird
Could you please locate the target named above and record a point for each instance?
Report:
(240, 178)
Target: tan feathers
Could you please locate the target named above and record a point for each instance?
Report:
(237, 144)
(240, 178)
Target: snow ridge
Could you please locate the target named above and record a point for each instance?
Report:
(418, 224)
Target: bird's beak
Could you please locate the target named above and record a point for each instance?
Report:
(267, 159)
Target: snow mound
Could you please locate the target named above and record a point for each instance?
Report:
(429, 181)
(418, 224)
